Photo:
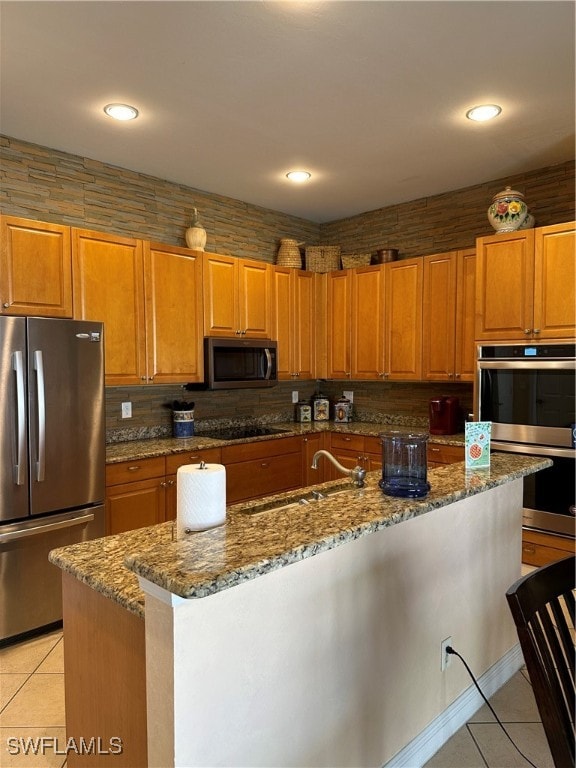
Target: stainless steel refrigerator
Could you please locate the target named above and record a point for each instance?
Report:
(52, 457)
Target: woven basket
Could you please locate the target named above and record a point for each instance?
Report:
(322, 258)
(289, 254)
(351, 260)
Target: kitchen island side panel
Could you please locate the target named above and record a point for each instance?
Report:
(335, 659)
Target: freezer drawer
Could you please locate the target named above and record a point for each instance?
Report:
(30, 588)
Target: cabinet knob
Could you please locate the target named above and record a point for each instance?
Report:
(150, 378)
(450, 375)
(456, 375)
(237, 332)
(348, 374)
(5, 305)
(142, 378)
(527, 331)
(382, 374)
(536, 330)
(163, 484)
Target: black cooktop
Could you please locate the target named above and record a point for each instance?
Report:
(241, 433)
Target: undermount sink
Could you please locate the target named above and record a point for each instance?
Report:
(307, 498)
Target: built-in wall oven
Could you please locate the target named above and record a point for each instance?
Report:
(527, 392)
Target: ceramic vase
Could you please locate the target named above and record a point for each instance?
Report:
(196, 234)
(508, 210)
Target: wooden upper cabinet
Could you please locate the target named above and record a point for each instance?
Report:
(448, 352)
(35, 268)
(525, 285)
(554, 282)
(367, 322)
(465, 350)
(109, 286)
(403, 320)
(339, 324)
(505, 286)
(237, 297)
(293, 324)
(173, 296)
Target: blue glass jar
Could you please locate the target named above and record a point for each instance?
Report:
(404, 464)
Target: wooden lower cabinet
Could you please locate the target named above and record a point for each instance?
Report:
(439, 454)
(543, 548)
(354, 450)
(173, 462)
(262, 468)
(135, 494)
(315, 441)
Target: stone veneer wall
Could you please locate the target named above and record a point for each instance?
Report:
(48, 185)
(455, 219)
(373, 401)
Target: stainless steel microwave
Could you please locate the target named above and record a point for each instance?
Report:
(240, 363)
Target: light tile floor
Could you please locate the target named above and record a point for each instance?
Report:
(32, 706)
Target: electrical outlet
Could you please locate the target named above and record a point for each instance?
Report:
(349, 395)
(126, 410)
(446, 658)
(294, 396)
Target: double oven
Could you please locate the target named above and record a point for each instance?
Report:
(527, 392)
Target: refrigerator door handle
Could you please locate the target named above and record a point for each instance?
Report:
(20, 466)
(41, 403)
(24, 533)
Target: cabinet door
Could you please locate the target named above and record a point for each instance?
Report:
(254, 299)
(304, 308)
(262, 477)
(173, 292)
(403, 325)
(505, 286)
(109, 286)
(554, 282)
(367, 322)
(439, 316)
(465, 349)
(219, 279)
(35, 268)
(134, 505)
(283, 322)
(339, 325)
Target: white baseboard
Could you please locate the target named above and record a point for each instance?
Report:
(417, 752)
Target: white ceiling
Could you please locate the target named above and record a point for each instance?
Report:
(368, 96)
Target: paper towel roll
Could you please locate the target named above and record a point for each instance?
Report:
(200, 497)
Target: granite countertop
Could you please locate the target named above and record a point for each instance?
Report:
(135, 450)
(257, 539)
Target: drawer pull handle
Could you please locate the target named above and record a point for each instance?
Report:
(134, 468)
(265, 465)
(434, 450)
(530, 550)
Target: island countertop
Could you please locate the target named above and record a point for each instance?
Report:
(258, 538)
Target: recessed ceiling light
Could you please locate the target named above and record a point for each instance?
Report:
(121, 111)
(483, 112)
(298, 176)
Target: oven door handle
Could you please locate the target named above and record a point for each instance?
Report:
(534, 450)
(534, 364)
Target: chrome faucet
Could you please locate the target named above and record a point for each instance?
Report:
(357, 474)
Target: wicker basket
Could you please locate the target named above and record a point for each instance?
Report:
(322, 258)
(351, 260)
(289, 254)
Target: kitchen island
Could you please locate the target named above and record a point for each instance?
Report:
(300, 635)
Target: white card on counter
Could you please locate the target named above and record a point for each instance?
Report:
(477, 444)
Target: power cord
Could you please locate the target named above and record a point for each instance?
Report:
(451, 650)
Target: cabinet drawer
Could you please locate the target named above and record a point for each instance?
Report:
(373, 445)
(347, 442)
(262, 477)
(128, 471)
(260, 450)
(445, 454)
(541, 548)
(209, 455)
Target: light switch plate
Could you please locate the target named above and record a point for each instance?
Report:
(349, 395)
(126, 410)
(294, 396)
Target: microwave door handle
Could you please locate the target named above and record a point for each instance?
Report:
(268, 371)
(41, 404)
(19, 467)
